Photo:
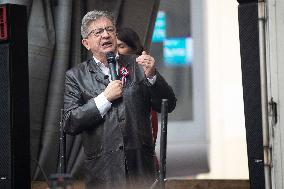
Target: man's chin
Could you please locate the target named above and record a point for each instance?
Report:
(111, 49)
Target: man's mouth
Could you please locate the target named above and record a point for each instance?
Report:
(107, 44)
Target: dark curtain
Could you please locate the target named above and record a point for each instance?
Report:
(54, 46)
(54, 43)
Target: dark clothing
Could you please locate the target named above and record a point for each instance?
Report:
(119, 146)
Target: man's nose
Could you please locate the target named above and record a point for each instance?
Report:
(105, 33)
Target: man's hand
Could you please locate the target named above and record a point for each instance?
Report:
(148, 63)
(113, 90)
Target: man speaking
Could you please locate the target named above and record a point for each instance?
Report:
(113, 115)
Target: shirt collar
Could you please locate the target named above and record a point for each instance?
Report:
(100, 64)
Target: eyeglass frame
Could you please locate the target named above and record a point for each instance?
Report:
(100, 31)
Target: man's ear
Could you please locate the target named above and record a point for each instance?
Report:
(85, 42)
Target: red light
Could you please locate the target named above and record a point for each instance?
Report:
(3, 23)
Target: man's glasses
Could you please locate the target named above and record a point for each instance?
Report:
(99, 31)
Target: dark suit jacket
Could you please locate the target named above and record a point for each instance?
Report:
(119, 145)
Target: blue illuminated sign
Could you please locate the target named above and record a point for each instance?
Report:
(178, 51)
(159, 33)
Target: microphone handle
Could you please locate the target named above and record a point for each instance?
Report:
(112, 70)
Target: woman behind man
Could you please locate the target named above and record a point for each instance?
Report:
(128, 42)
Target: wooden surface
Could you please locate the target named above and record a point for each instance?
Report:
(43, 185)
(176, 184)
(207, 184)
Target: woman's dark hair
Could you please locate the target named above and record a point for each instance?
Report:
(130, 38)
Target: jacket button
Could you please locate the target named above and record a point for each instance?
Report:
(121, 119)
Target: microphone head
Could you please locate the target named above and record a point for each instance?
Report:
(110, 57)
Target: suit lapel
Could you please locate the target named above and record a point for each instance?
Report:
(123, 61)
(99, 75)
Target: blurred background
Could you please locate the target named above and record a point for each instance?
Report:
(199, 55)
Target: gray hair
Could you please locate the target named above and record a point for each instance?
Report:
(93, 16)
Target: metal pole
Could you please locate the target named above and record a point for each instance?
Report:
(62, 146)
(163, 143)
(264, 103)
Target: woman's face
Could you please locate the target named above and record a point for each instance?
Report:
(123, 48)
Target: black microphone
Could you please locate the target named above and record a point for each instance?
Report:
(111, 62)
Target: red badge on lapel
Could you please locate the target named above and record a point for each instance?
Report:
(124, 73)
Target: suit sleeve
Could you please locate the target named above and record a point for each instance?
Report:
(161, 90)
(79, 114)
